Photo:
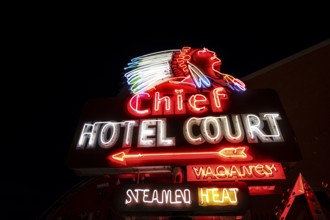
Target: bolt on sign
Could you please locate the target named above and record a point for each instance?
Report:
(181, 110)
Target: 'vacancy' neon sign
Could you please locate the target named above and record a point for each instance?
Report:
(230, 172)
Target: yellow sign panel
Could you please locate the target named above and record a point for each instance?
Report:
(217, 196)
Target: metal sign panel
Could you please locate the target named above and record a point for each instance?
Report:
(188, 199)
(233, 172)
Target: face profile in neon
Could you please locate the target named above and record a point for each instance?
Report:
(198, 68)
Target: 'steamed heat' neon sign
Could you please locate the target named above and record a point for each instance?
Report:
(177, 197)
(169, 198)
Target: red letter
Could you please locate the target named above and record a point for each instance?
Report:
(180, 108)
(216, 96)
(134, 105)
(159, 103)
(196, 103)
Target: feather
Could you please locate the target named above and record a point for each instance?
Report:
(148, 71)
(198, 76)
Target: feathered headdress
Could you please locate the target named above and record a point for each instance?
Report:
(199, 68)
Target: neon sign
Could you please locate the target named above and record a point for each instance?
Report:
(198, 68)
(206, 196)
(159, 196)
(182, 110)
(212, 130)
(149, 199)
(177, 102)
(225, 154)
(217, 196)
(230, 172)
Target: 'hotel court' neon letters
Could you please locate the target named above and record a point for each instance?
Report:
(252, 124)
(152, 132)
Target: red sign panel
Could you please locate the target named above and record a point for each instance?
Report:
(182, 111)
(230, 172)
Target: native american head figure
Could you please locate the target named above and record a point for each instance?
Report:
(198, 68)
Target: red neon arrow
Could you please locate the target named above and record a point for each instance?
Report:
(229, 153)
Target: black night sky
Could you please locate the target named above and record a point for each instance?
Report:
(57, 70)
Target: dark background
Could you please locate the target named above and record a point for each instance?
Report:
(56, 66)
